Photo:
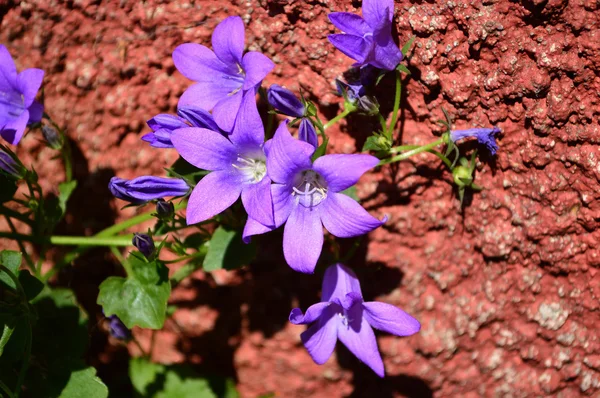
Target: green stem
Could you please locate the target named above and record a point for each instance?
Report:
(396, 104)
(403, 148)
(123, 240)
(15, 214)
(406, 155)
(189, 268)
(444, 159)
(67, 159)
(184, 258)
(383, 124)
(339, 117)
(6, 390)
(28, 258)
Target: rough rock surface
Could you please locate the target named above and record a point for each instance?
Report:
(507, 291)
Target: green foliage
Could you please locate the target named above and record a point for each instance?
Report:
(351, 192)
(321, 149)
(226, 250)
(159, 381)
(377, 142)
(141, 298)
(182, 169)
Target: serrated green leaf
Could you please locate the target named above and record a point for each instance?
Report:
(141, 298)
(182, 169)
(351, 192)
(8, 188)
(226, 250)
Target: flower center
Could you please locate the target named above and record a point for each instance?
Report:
(253, 168)
(309, 189)
(12, 103)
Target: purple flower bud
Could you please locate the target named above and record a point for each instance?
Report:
(307, 132)
(485, 136)
(52, 137)
(162, 126)
(164, 209)
(117, 329)
(356, 94)
(144, 244)
(145, 188)
(199, 117)
(285, 101)
(11, 166)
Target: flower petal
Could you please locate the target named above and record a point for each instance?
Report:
(14, 129)
(285, 101)
(256, 66)
(36, 112)
(350, 23)
(248, 130)
(203, 148)
(358, 336)
(385, 54)
(228, 40)
(374, 11)
(312, 314)
(258, 202)
(303, 239)
(389, 318)
(252, 228)
(320, 338)
(338, 281)
(7, 64)
(206, 94)
(355, 47)
(29, 82)
(198, 117)
(307, 132)
(287, 156)
(343, 171)
(200, 64)
(226, 110)
(166, 121)
(343, 217)
(212, 195)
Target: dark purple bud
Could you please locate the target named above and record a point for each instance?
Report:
(145, 188)
(164, 209)
(485, 136)
(307, 132)
(117, 329)
(11, 166)
(199, 118)
(285, 101)
(144, 244)
(162, 126)
(52, 137)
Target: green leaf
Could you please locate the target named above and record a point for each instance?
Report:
(226, 250)
(403, 68)
(83, 383)
(160, 381)
(182, 169)
(8, 188)
(7, 330)
(320, 150)
(31, 285)
(65, 191)
(376, 142)
(406, 47)
(141, 298)
(11, 260)
(351, 192)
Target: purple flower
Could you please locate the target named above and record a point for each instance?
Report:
(145, 188)
(342, 314)
(117, 329)
(485, 136)
(286, 102)
(11, 166)
(368, 40)
(223, 76)
(162, 125)
(144, 244)
(307, 196)
(238, 166)
(17, 98)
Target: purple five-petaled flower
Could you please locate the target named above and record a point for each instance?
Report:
(342, 314)
(145, 188)
(223, 76)
(368, 40)
(162, 125)
(485, 136)
(18, 106)
(238, 165)
(287, 103)
(306, 197)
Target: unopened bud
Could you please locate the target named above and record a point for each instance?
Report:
(52, 137)
(11, 166)
(164, 209)
(144, 244)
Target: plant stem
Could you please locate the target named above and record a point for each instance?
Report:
(406, 155)
(339, 117)
(123, 240)
(396, 103)
(6, 390)
(403, 148)
(189, 268)
(28, 258)
(383, 124)
(15, 214)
